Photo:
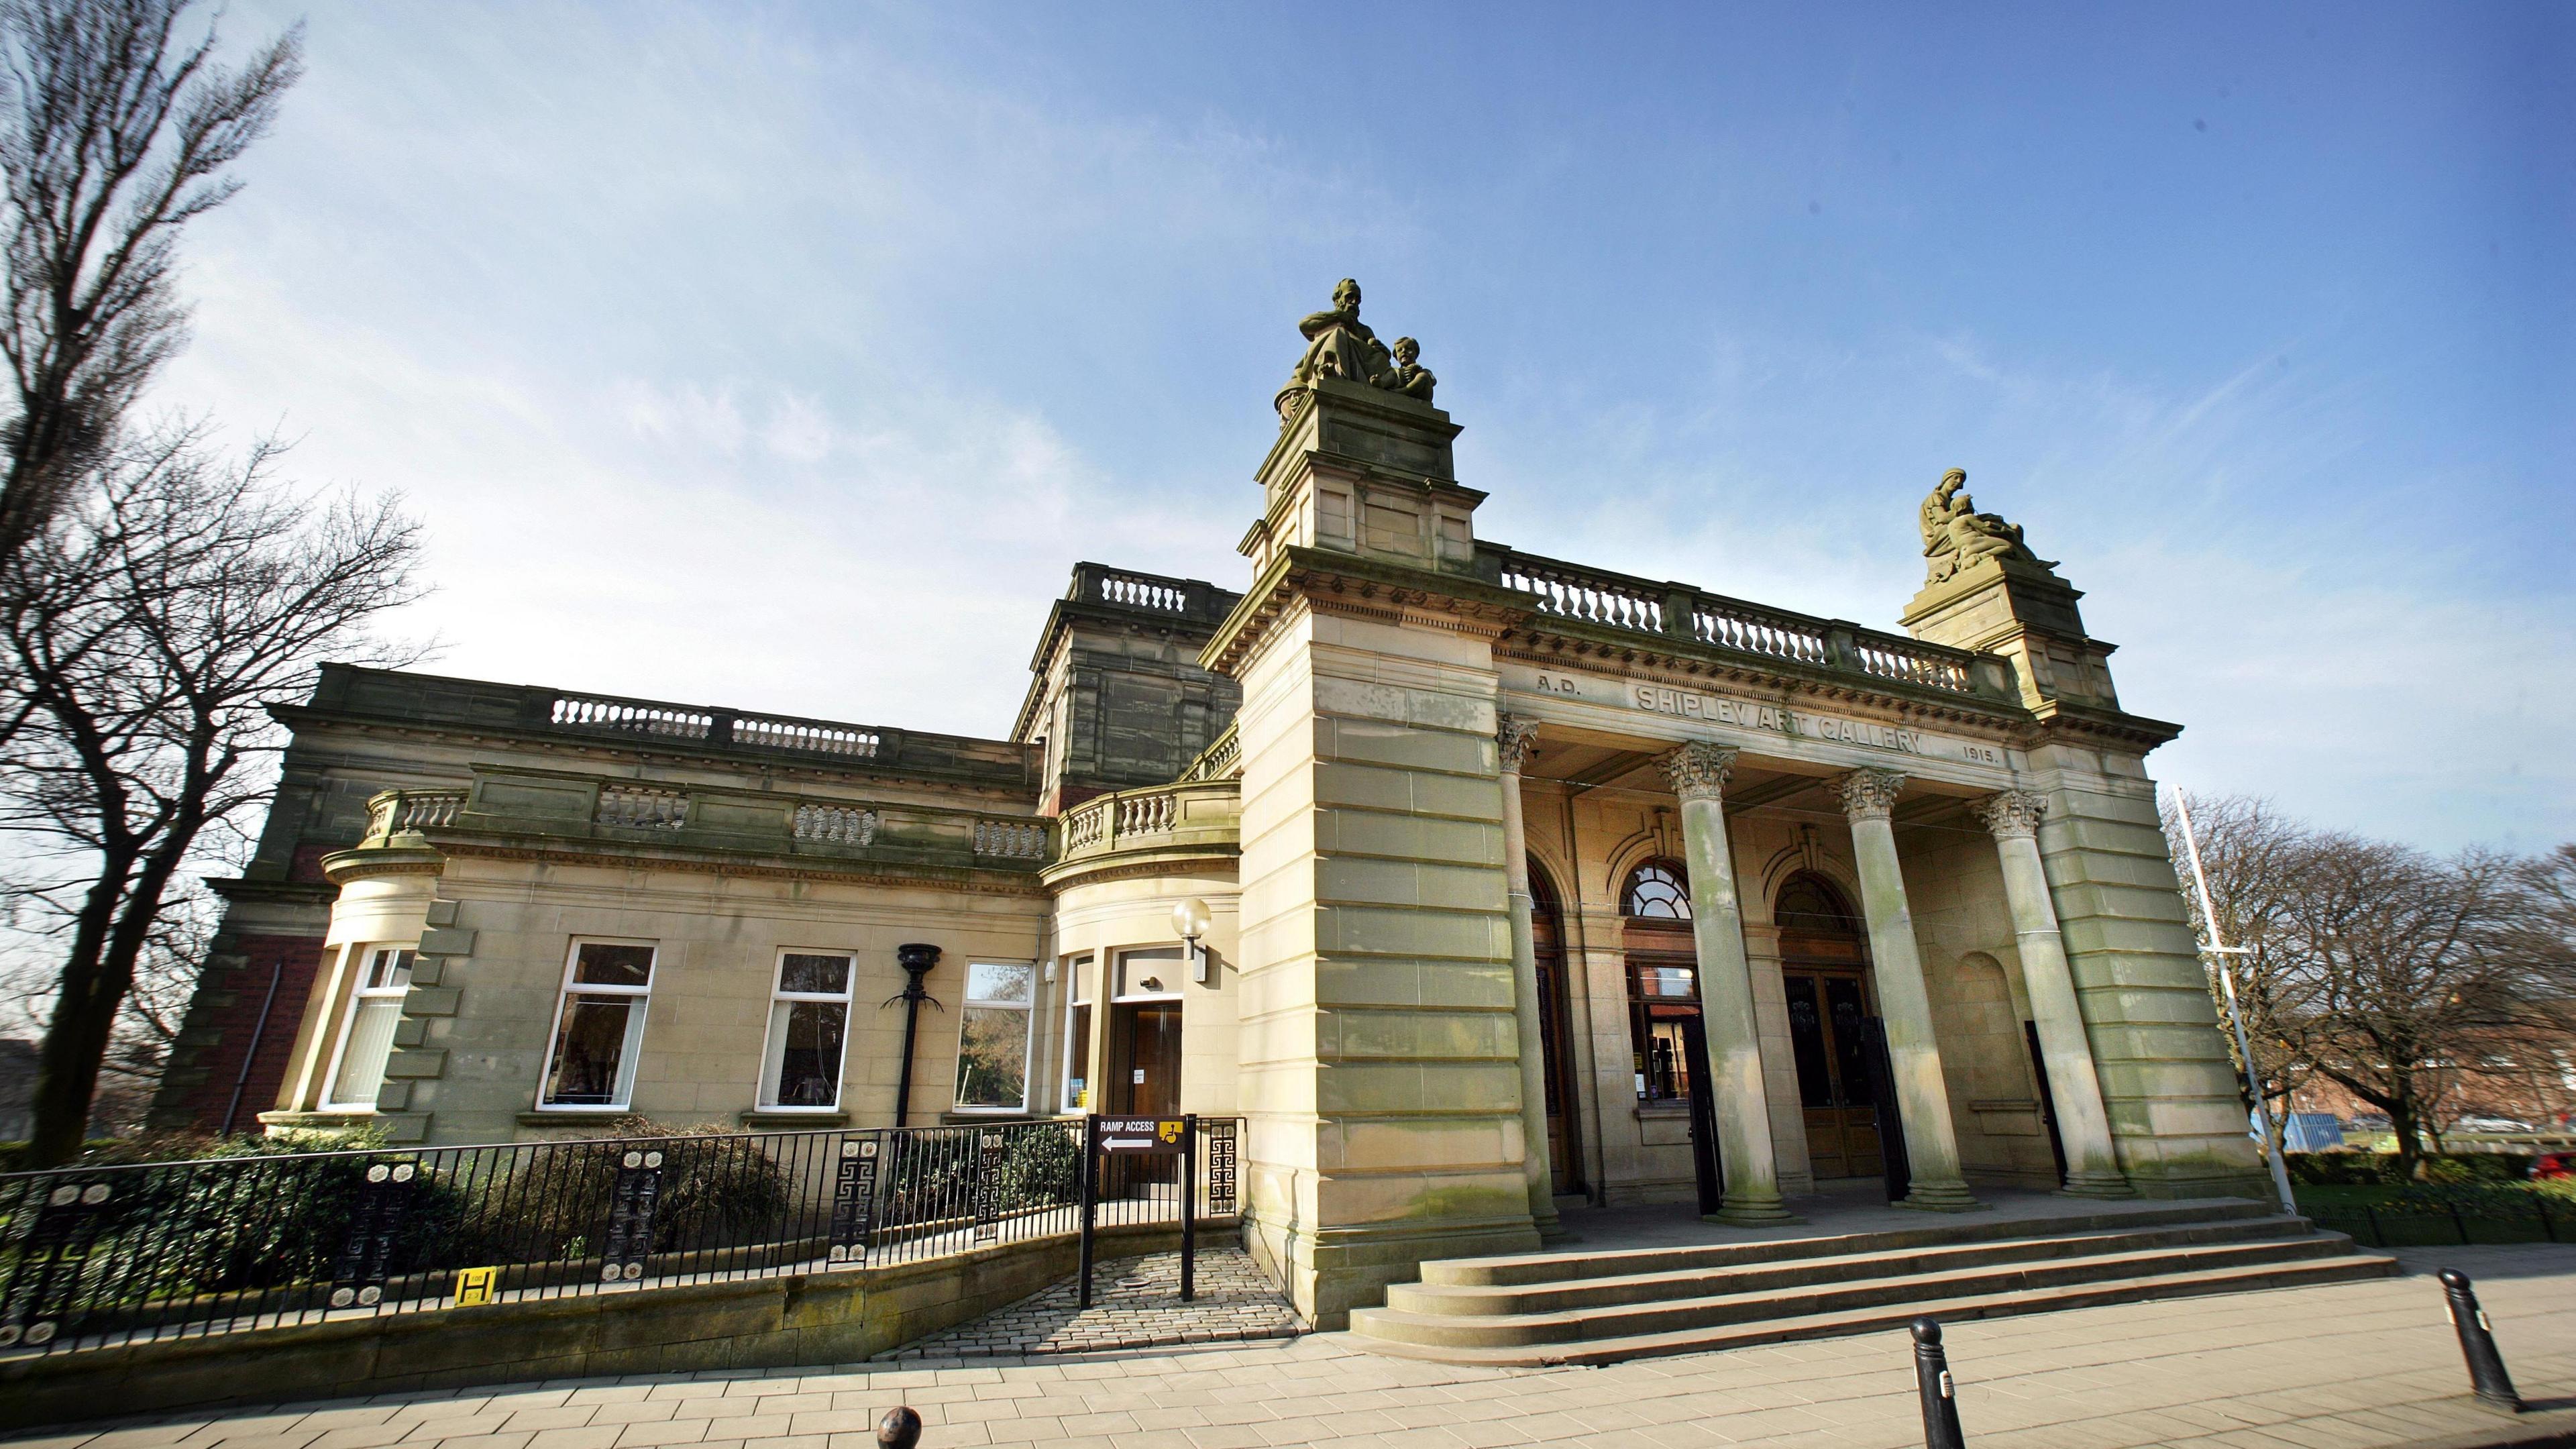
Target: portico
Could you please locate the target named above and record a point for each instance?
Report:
(1619, 773)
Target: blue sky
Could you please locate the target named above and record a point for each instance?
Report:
(788, 357)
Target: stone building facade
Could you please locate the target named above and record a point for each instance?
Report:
(1518, 879)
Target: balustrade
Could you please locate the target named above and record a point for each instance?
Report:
(632, 717)
(1750, 630)
(1570, 592)
(1220, 760)
(394, 811)
(642, 807)
(1889, 658)
(1011, 839)
(836, 824)
(850, 741)
(1141, 591)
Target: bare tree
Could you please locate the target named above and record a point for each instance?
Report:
(2407, 974)
(114, 134)
(2254, 858)
(144, 637)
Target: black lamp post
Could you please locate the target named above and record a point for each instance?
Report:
(916, 958)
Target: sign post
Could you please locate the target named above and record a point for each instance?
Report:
(1141, 1137)
(1189, 1206)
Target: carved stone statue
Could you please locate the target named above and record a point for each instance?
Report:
(1407, 376)
(1956, 535)
(1339, 344)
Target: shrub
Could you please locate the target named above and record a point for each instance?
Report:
(2379, 1169)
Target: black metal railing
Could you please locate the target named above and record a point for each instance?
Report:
(2438, 1218)
(94, 1256)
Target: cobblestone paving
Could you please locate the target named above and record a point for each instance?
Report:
(1135, 1303)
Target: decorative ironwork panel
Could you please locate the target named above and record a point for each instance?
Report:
(375, 1231)
(988, 1187)
(854, 1200)
(1220, 1169)
(630, 1216)
(44, 1288)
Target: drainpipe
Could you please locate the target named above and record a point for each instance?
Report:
(250, 1053)
(916, 959)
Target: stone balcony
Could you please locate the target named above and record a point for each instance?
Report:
(1757, 636)
(590, 816)
(1145, 829)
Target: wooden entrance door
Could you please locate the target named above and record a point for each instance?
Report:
(1147, 1051)
(1837, 1084)
(1145, 1081)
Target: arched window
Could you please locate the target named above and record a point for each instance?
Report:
(1542, 892)
(1809, 903)
(1657, 891)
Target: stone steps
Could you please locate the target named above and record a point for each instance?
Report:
(1552, 1308)
(1782, 1245)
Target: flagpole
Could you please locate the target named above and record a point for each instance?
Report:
(2218, 947)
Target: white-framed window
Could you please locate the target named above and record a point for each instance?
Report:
(599, 1025)
(993, 1035)
(1152, 973)
(809, 1024)
(1077, 1034)
(367, 1033)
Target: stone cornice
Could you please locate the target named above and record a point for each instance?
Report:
(2059, 722)
(312, 726)
(458, 846)
(1562, 643)
(1141, 862)
(1349, 584)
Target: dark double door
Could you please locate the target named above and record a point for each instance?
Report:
(1839, 1072)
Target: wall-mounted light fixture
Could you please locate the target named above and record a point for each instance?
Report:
(1190, 920)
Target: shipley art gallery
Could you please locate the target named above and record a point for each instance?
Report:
(1508, 868)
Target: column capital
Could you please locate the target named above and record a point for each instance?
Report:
(1871, 794)
(1514, 736)
(1699, 770)
(2013, 814)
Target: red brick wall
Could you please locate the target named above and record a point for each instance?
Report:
(226, 1027)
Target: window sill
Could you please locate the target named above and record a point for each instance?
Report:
(574, 1116)
(1663, 1109)
(772, 1119)
(323, 1118)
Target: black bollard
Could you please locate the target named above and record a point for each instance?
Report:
(900, 1428)
(1932, 1381)
(2477, 1344)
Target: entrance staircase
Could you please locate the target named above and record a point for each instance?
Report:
(1594, 1307)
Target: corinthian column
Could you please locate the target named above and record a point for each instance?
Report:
(1922, 1099)
(1699, 773)
(1512, 740)
(2083, 1127)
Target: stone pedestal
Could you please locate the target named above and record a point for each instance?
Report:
(1382, 1073)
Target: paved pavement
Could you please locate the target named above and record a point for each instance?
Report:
(1135, 1303)
(2351, 1364)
